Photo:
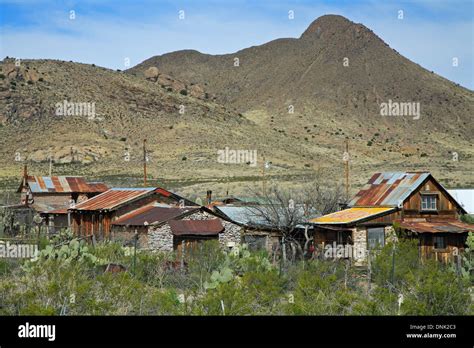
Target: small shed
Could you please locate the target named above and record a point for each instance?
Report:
(96, 215)
(184, 232)
(51, 196)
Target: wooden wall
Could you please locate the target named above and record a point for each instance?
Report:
(446, 208)
(100, 223)
(453, 241)
(56, 199)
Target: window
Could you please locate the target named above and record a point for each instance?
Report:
(428, 202)
(255, 242)
(439, 242)
(376, 237)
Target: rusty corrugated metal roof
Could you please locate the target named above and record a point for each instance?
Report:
(151, 214)
(352, 215)
(450, 226)
(66, 184)
(389, 189)
(98, 186)
(114, 198)
(196, 227)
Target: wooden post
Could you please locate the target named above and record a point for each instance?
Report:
(50, 163)
(346, 168)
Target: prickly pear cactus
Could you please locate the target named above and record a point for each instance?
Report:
(224, 275)
(75, 250)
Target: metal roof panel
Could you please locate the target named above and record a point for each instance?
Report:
(352, 215)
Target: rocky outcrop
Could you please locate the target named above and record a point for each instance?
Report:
(168, 82)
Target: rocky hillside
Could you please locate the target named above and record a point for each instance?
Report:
(183, 128)
(294, 101)
(329, 85)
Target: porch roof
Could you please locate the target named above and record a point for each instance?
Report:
(352, 215)
(449, 226)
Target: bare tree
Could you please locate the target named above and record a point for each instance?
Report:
(287, 211)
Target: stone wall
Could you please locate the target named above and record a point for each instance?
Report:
(161, 238)
(272, 239)
(232, 233)
(390, 234)
(126, 236)
(359, 236)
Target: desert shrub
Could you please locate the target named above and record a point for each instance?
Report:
(151, 268)
(381, 301)
(400, 257)
(205, 258)
(434, 289)
(226, 299)
(69, 279)
(321, 288)
(264, 291)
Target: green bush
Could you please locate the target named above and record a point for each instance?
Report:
(435, 290)
(397, 259)
(467, 218)
(68, 278)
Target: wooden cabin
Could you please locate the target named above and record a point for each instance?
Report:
(52, 196)
(414, 204)
(95, 216)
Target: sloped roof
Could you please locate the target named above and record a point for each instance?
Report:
(450, 226)
(196, 227)
(388, 189)
(151, 214)
(251, 216)
(352, 215)
(242, 215)
(63, 184)
(114, 198)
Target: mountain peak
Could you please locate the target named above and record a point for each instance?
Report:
(328, 24)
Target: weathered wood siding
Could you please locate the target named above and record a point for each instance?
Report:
(455, 244)
(446, 207)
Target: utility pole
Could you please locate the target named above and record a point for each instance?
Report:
(345, 158)
(263, 177)
(50, 163)
(144, 163)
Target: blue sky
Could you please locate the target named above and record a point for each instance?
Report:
(106, 32)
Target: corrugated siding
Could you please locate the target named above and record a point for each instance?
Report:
(437, 227)
(113, 198)
(350, 215)
(63, 184)
(388, 189)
